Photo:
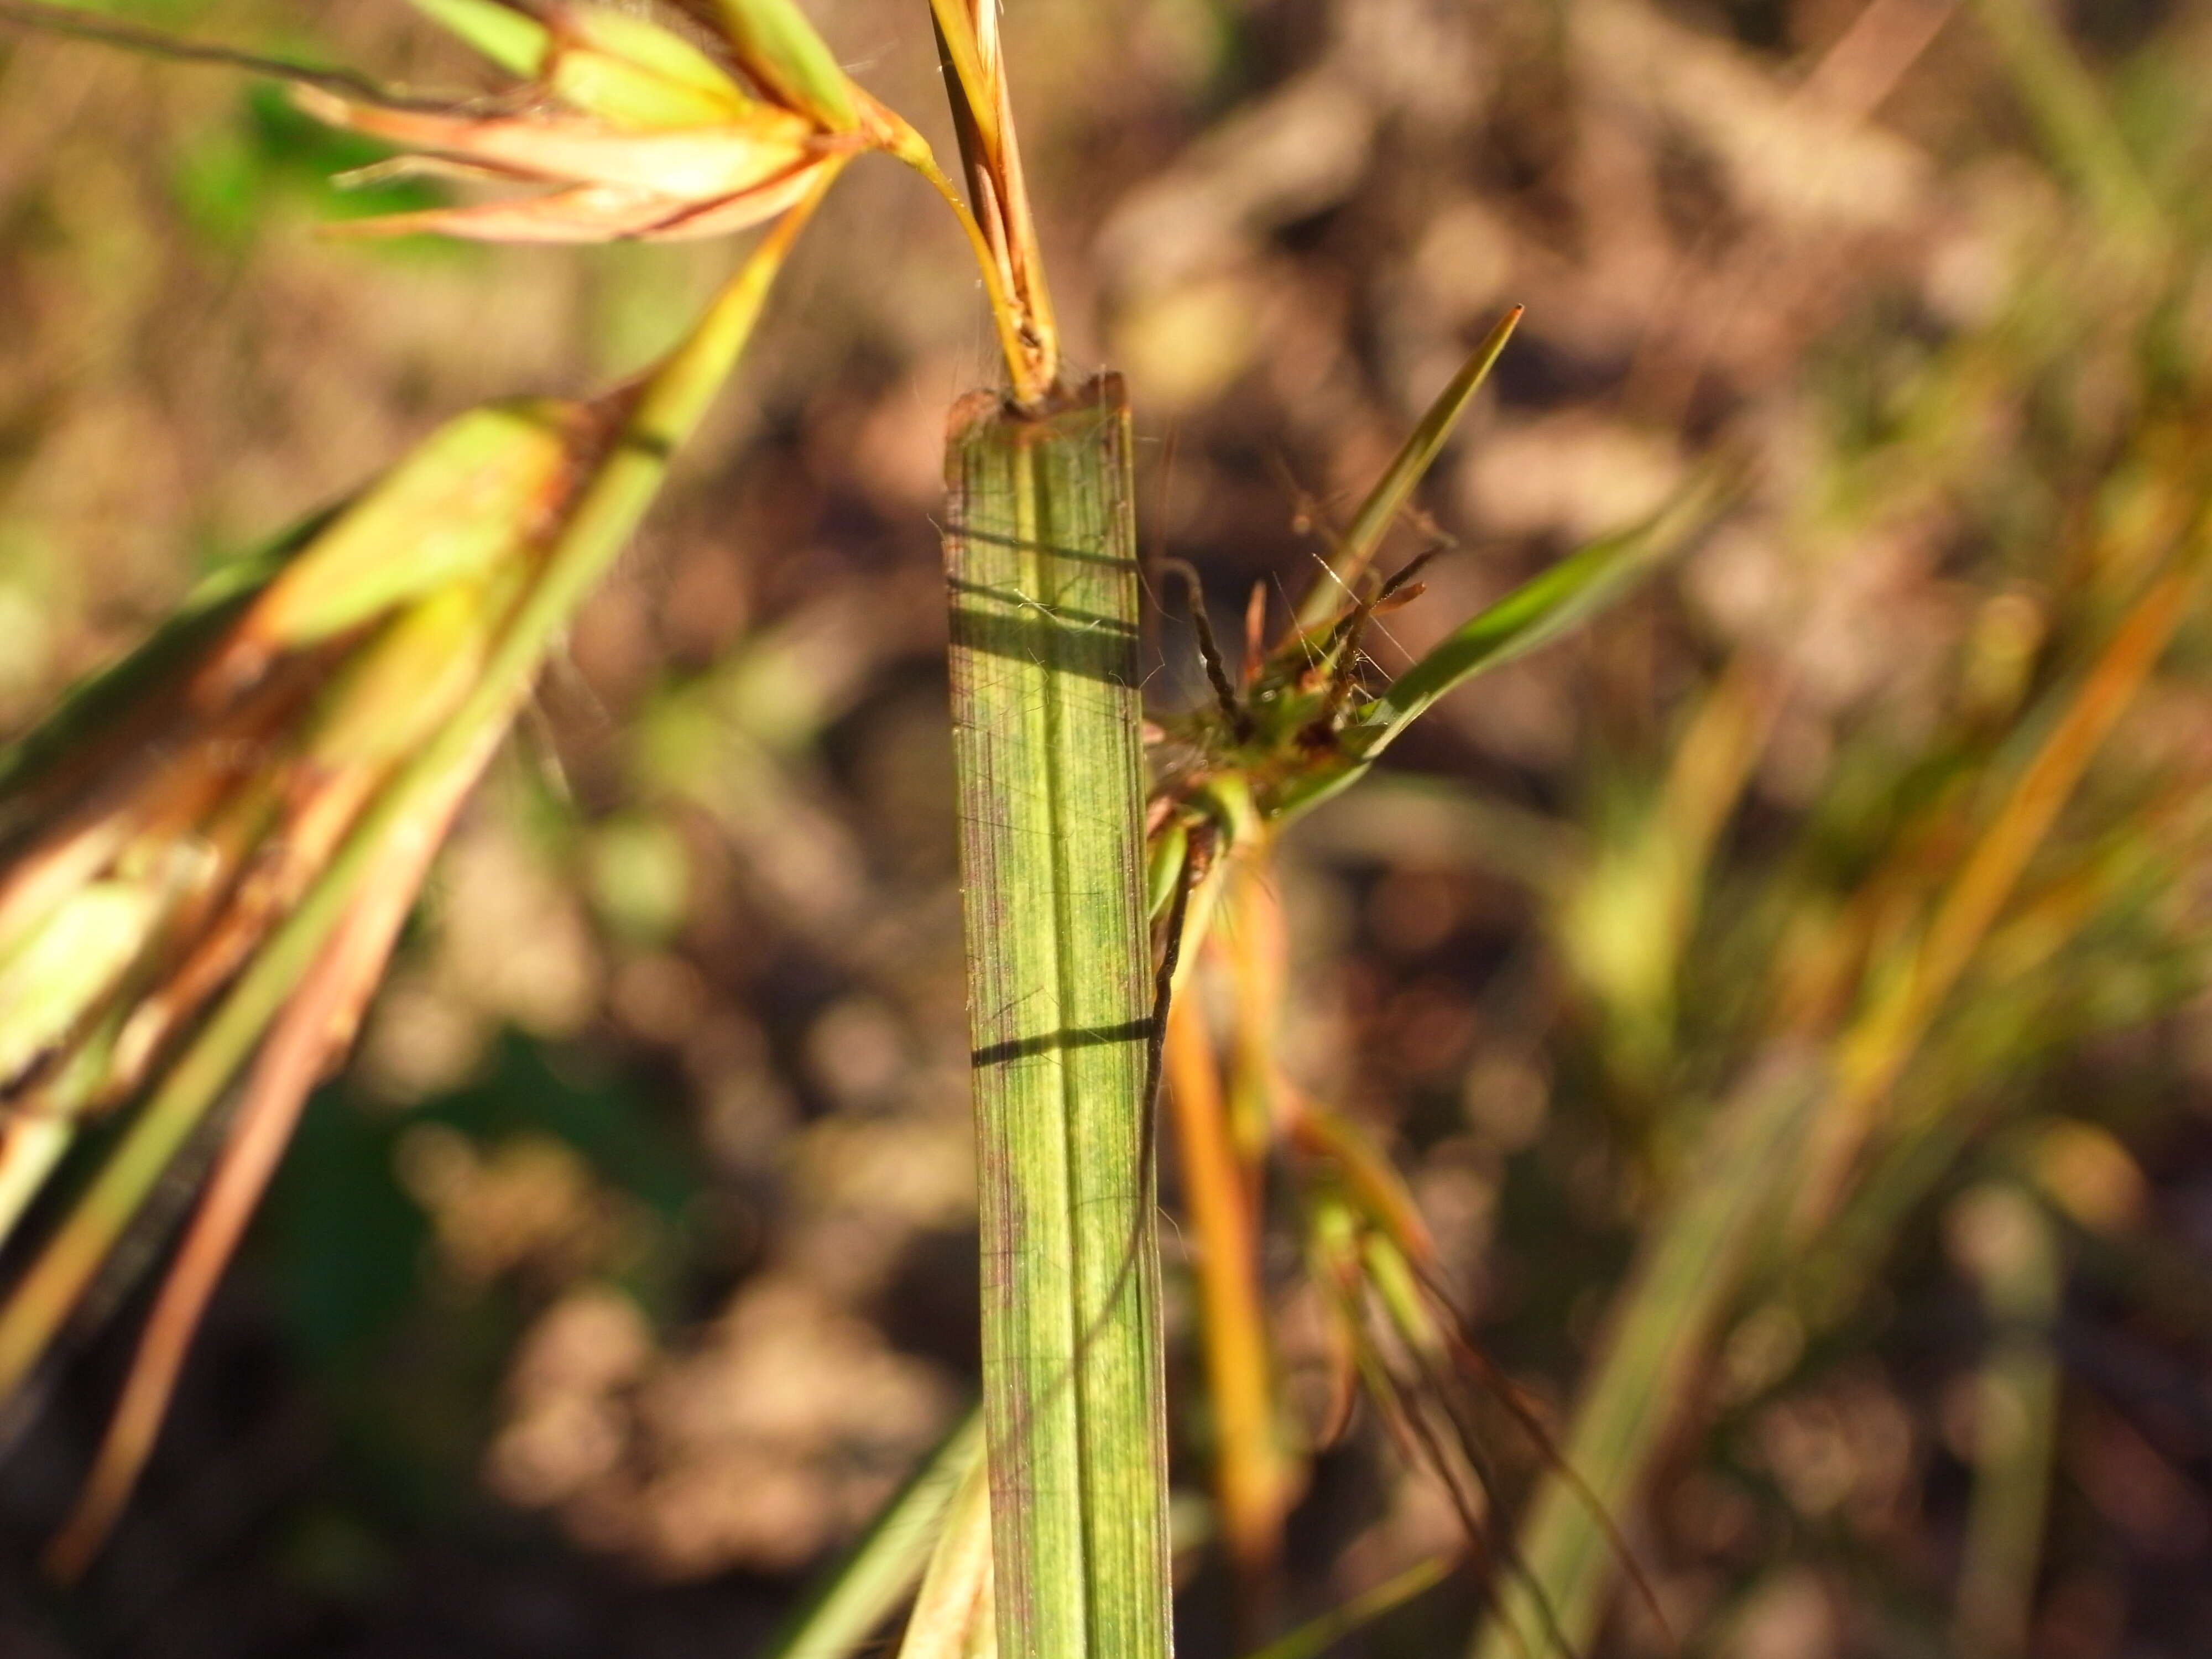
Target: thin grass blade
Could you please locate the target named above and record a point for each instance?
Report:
(1657, 1331)
(838, 1618)
(1544, 607)
(956, 1591)
(1364, 538)
(2007, 1242)
(1531, 616)
(2063, 100)
(1317, 1636)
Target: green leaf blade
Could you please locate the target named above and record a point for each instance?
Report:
(1542, 607)
(516, 42)
(1407, 468)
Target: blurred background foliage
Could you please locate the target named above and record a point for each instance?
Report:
(631, 1266)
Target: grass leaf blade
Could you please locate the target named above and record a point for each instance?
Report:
(837, 1619)
(1542, 607)
(1411, 463)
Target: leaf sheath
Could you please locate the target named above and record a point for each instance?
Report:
(1043, 591)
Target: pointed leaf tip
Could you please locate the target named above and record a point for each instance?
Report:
(1407, 468)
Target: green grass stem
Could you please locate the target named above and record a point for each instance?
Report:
(2063, 100)
(1042, 565)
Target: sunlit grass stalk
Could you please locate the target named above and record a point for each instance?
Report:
(1001, 225)
(1041, 555)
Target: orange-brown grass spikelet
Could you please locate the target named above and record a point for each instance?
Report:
(1427, 1372)
(212, 783)
(240, 762)
(224, 835)
(308, 1040)
(627, 130)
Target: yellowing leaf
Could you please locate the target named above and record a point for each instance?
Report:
(49, 984)
(475, 492)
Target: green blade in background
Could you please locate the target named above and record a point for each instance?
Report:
(840, 1615)
(1657, 1331)
(1330, 594)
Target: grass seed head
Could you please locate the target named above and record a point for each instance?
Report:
(139, 868)
(230, 827)
(630, 130)
(223, 779)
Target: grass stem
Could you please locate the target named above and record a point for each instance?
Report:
(1041, 567)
